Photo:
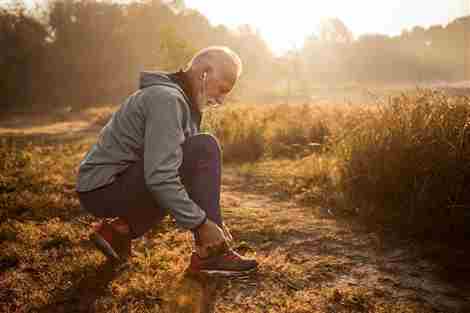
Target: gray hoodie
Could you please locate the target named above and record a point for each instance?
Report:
(151, 125)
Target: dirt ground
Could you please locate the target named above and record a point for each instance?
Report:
(332, 254)
(310, 260)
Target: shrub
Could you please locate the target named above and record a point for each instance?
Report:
(293, 129)
(248, 132)
(405, 162)
(408, 162)
(240, 132)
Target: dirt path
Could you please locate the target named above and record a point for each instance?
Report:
(310, 263)
(324, 264)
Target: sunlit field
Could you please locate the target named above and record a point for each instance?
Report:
(331, 198)
(403, 161)
(345, 136)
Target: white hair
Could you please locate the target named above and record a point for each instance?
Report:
(217, 50)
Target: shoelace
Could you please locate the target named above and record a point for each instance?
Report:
(232, 256)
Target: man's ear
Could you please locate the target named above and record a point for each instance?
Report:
(208, 69)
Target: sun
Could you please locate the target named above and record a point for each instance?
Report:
(281, 25)
(284, 25)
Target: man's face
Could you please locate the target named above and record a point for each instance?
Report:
(215, 86)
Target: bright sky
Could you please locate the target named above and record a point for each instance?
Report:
(284, 24)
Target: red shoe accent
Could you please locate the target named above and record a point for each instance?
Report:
(112, 243)
(195, 263)
(105, 231)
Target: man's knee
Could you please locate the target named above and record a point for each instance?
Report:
(203, 145)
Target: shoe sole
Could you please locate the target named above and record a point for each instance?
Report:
(104, 247)
(227, 273)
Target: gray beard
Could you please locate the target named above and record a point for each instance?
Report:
(203, 102)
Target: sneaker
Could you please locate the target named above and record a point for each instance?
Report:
(115, 245)
(228, 263)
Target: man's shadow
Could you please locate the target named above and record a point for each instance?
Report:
(81, 296)
(194, 294)
(190, 293)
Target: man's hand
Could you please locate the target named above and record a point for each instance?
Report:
(210, 235)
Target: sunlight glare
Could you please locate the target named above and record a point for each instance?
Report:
(285, 24)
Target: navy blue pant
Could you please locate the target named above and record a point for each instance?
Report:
(129, 198)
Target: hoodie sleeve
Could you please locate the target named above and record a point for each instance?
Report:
(164, 134)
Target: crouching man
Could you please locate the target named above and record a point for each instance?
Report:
(150, 160)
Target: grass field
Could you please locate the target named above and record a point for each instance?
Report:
(276, 203)
(401, 162)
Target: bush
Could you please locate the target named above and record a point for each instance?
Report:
(247, 132)
(21, 59)
(294, 131)
(408, 162)
(402, 163)
(240, 132)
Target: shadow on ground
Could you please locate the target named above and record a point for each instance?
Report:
(81, 296)
(189, 293)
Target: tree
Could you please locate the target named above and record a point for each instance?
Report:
(336, 39)
(333, 30)
(22, 39)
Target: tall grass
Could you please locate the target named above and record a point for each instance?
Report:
(408, 162)
(249, 133)
(405, 162)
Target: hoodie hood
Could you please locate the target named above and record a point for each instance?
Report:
(148, 79)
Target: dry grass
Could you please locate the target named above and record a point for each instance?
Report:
(308, 264)
(402, 163)
(407, 163)
(249, 132)
(46, 263)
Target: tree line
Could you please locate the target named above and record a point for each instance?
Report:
(85, 52)
(417, 55)
(78, 53)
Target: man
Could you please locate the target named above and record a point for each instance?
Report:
(150, 160)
